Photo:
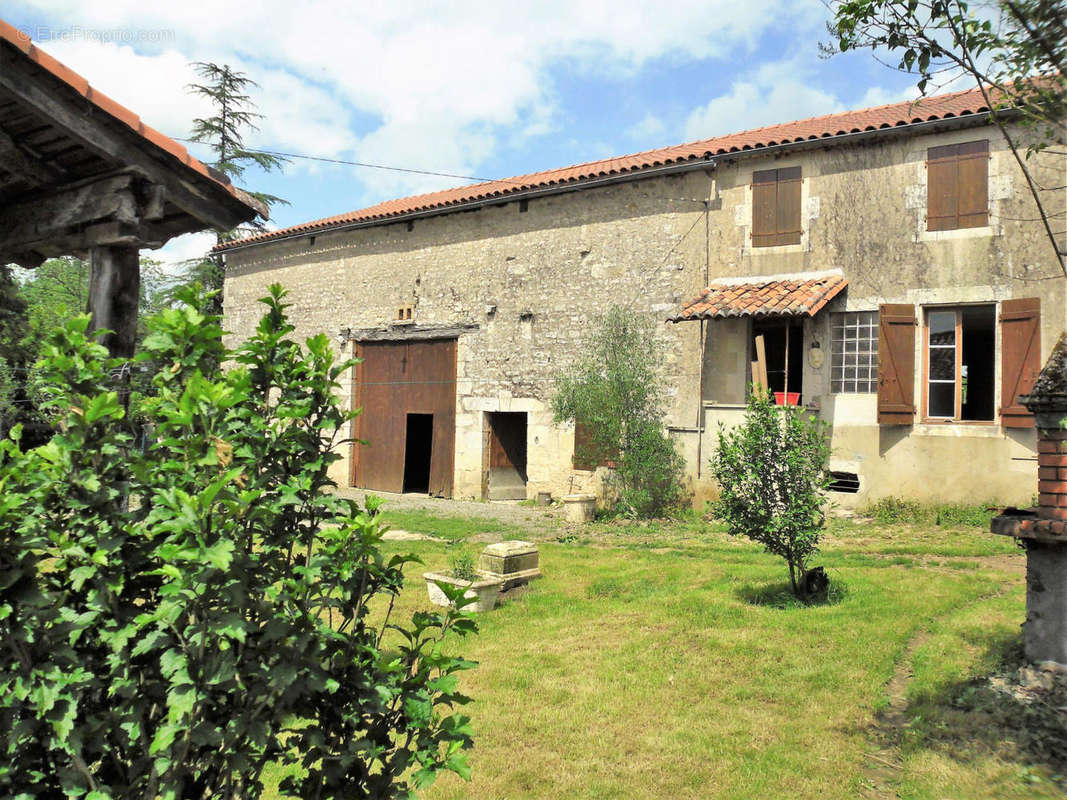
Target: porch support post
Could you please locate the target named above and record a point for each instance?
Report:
(114, 288)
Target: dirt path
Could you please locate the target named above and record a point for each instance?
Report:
(883, 763)
(883, 760)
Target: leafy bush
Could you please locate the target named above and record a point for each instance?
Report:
(172, 621)
(896, 510)
(461, 563)
(615, 392)
(772, 472)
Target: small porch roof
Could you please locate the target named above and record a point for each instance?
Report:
(78, 170)
(801, 294)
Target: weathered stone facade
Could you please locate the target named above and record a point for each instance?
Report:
(527, 278)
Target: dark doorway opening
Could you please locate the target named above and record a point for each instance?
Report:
(507, 456)
(783, 342)
(979, 344)
(418, 447)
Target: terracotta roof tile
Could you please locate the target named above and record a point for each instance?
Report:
(794, 296)
(947, 106)
(22, 42)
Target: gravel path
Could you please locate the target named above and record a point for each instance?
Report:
(505, 511)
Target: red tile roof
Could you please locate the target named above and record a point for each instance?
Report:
(756, 298)
(940, 107)
(22, 42)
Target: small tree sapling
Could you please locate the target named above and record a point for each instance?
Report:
(772, 472)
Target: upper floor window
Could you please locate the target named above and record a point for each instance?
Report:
(776, 207)
(957, 186)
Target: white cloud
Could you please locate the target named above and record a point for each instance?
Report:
(648, 129)
(438, 83)
(152, 85)
(776, 92)
(877, 96)
(181, 249)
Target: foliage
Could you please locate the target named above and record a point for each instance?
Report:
(171, 621)
(46, 298)
(460, 562)
(14, 320)
(59, 289)
(616, 393)
(234, 115)
(8, 396)
(54, 292)
(1016, 51)
(772, 473)
(17, 355)
(896, 510)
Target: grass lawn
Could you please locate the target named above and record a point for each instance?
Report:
(665, 661)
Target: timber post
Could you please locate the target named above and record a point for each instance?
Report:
(114, 293)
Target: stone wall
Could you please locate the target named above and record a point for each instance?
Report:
(533, 276)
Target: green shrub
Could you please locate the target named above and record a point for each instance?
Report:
(172, 621)
(616, 393)
(461, 564)
(895, 510)
(772, 473)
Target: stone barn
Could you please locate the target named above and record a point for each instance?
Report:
(885, 268)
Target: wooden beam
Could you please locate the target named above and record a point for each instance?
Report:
(102, 234)
(208, 203)
(31, 168)
(62, 213)
(114, 286)
(759, 376)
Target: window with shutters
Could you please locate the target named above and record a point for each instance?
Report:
(776, 207)
(960, 347)
(957, 186)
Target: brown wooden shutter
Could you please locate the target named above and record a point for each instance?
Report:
(788, 216)
(764, 208)
(583, 447)
(1020, 358)
(973, 184)
(896, 364)
(942, 207)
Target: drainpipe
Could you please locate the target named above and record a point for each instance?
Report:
(703, 337)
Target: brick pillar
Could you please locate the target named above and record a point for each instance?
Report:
(1045, 537)
(1052, 472)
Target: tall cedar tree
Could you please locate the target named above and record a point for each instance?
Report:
(224, 132)
(1016, 52)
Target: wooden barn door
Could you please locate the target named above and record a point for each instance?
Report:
(395, 380)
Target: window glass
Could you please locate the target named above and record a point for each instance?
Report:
(854, 352)
(960, 363)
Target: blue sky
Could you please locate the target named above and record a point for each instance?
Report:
(487, 89)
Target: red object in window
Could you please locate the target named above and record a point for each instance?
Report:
(786, 398)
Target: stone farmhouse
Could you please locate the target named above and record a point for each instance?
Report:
(886, 268)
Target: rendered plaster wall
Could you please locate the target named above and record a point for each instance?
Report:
(531, 282)
(864, 213)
